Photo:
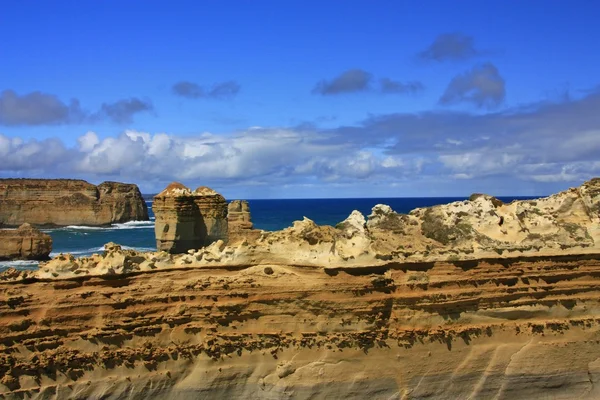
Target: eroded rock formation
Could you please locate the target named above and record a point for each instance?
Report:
(240, 222)
(24, 243)
(188, 220)
(64, 202)
(474, 299)
(213, 215)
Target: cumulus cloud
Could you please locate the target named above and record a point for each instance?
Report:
(537, 144)
(17, 155)
(37, 108)
(450, 46)
(482, 86)
(223, 90)
(390, 86)
(353, 80)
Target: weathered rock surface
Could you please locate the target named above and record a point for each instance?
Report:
(473, 299)
(188, 220)
(64, 202)
(25, 243)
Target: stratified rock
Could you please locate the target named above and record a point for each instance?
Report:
(188, 220)
(176, 215)
(25, 243)
(64, 202)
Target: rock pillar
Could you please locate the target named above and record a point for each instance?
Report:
(188, 220)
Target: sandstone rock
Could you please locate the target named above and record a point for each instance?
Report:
(24, 243)
(505, 329)
(188, 220)
(64, 202)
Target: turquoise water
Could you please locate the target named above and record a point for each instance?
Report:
(266, 214)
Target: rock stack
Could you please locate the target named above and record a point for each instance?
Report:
(213, 215)
(25, 243)
(240, 222)
(188, 220)
(238, 215)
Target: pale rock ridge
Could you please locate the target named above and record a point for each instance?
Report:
(565, 223)
(24, 243)
(63, 202)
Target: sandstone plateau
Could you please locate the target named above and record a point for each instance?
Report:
(25, 243)
(62, 202)
(469, 300)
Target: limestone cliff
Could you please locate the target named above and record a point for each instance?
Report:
(25, 243)
(469, 300)
(188, 219)
(64, 202)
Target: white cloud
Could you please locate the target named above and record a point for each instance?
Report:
(88, 141)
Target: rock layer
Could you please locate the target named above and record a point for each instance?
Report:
(473, 299)
(25, 243)
(523, 329)
(64, 202)
(188, 220)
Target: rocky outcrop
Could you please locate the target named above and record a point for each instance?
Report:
(25, 243)
(564, 223)
(61, 202)
(473, 299)
(240, 224)
(188, 220)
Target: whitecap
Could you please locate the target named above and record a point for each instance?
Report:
(18, 264)
(134, 225)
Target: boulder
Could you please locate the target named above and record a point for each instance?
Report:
(61, 202)
(188, 220)
(24, 243)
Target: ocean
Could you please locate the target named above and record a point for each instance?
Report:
(269, 215)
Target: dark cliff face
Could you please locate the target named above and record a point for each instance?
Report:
(60, 202)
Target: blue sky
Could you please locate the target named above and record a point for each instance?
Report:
(295, 99)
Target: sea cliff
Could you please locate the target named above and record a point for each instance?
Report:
(61, 202)
(473, 299)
